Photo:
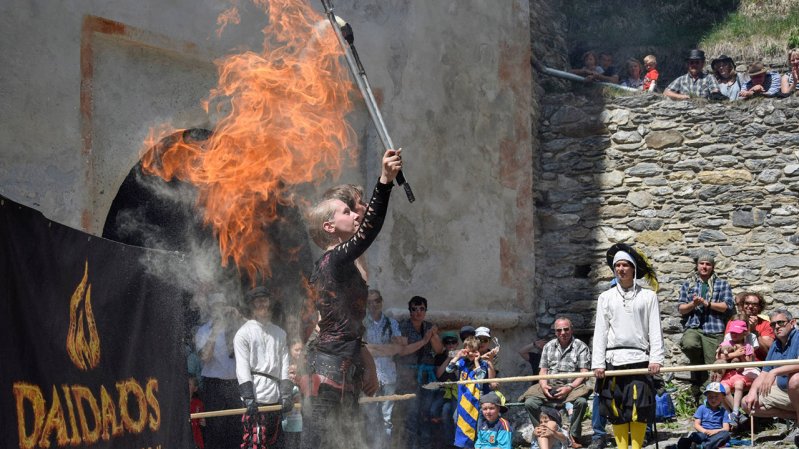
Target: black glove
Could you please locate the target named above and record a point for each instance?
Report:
(287, 395)
(247, 392)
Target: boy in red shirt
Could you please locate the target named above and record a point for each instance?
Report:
(650, 80)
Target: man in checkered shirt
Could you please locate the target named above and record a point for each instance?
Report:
(705, 304)
(563, 354)
(695, 83)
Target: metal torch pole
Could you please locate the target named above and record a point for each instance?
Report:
(358, 72)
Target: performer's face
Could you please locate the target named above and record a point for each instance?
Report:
(624, 271)
(345, 221)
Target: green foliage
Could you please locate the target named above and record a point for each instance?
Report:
(793, 38)
(755, 37)
(684, 403)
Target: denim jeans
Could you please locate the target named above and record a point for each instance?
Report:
(378, 416)
(714, 442)
(598, 421)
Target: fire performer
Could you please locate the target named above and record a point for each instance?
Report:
(629, 316)
(262, 369)
(339, 365)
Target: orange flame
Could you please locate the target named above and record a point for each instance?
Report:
(286, 127)
(84, 354)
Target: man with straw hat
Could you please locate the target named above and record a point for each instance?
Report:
(762, 82)
(705, 303)
(627, 335)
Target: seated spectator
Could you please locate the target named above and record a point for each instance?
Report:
(634, 79)
(736, 381)
(650, 80)
(609, 74)
(775, 392)
(711, 422)
(550, 434)
(759, 328)
(790, 81)
(695, 83)
(564, 354)
(762, 82)
(728, 79)
(590, 66)
(495, 432)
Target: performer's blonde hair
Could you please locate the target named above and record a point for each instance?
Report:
(317, 216)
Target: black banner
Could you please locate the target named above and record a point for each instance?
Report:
(90, 341)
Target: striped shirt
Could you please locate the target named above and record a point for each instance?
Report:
(468, 410)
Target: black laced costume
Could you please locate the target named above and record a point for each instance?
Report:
(334, 360)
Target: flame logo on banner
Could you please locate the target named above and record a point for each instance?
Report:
(84, 354)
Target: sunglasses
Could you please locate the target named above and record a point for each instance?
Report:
(776, 324)
(418, 309)
(562, 330)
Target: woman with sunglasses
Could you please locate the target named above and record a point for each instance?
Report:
(416, 367)
(750, 311)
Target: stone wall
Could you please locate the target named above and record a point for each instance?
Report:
(671, 178)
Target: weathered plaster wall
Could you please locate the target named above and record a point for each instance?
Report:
(671, 178)
(80, 94)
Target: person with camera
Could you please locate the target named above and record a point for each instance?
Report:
(563, 354)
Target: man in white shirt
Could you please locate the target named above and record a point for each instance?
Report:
(262, 370)
(627, 335)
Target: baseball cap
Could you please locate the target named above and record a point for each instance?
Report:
(715, 387)
(482, 331)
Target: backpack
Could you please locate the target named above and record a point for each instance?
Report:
(664, 407)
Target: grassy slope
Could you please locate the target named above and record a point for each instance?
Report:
(747, 30)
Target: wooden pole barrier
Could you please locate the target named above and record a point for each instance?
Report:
(621, 372)
(274, 408)
(436, 385)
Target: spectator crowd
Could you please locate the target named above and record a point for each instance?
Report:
(240, 357)
(235, 361)
(721, 83)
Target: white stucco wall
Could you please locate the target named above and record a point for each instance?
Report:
(454, 82)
